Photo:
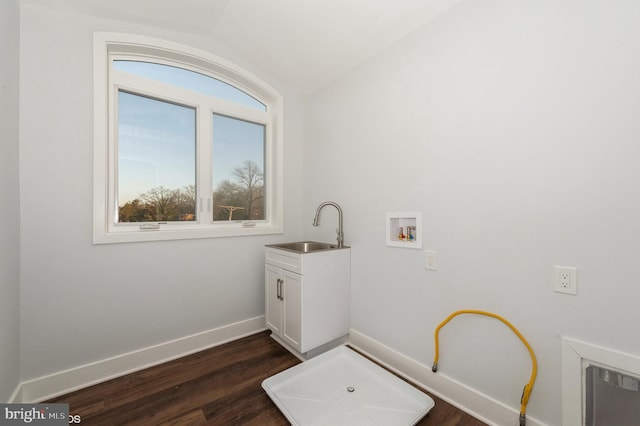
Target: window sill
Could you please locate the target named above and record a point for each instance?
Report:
(235, 229)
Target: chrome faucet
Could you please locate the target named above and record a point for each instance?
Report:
(317, 217)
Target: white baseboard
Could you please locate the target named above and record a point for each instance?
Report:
(62, 382)
(17, 395)
(479, 405)
(467, 399)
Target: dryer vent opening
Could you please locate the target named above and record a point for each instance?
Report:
(611, 397)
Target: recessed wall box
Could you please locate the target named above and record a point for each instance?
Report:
(404, 229)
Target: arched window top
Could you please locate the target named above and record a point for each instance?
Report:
(190, 80)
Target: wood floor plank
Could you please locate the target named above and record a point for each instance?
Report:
(190, 418)
(120, 391)
(218, 386)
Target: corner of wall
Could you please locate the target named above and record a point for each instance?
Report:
(16, 397)
(467, 399)
(10, 194)
(62, 382)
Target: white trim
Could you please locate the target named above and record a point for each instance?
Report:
(467, 399)
(66, 381)
(575, 357)
(16, 397)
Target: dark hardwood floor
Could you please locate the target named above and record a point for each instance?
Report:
(218, 386)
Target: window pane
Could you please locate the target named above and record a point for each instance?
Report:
(238, 169)
(190, 80)
(156, 160)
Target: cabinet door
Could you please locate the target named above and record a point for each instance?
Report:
(273, 305)
(292, 327)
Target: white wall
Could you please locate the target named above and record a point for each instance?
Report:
(10, 196)
(83, 302)
(513, 127)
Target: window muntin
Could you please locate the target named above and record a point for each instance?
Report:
(266, 120)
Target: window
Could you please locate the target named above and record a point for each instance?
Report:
(186, 145)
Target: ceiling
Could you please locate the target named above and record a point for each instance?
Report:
(305, 43)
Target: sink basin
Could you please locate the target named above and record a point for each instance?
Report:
(305, 246)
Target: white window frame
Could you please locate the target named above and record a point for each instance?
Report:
(110, 46)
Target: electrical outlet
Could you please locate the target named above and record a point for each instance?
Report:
(565, 280)
(430, 260)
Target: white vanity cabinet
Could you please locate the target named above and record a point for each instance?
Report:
(307, 297)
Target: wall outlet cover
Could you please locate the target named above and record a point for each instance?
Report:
(565, 280)
(430, 260)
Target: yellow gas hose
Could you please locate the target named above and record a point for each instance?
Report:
(529, 386)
